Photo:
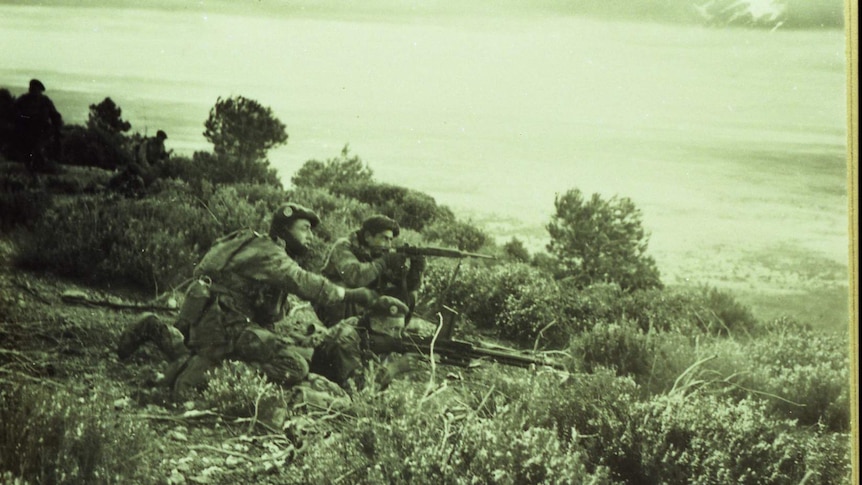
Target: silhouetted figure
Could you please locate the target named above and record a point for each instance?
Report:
(7, 122)
(152, 151)
(37, 128)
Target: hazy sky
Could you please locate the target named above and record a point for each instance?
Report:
(496, 108)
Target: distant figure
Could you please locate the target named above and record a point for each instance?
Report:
(134, 179)
(37, 128)
(152, 151)
(7, 122)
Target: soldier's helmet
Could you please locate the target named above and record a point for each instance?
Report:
(387, 316)
(286, 215)
(36, 86)
(161, 135)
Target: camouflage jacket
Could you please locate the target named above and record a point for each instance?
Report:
(253, 274)
(352, 265)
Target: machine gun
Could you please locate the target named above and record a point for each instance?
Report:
(439, 252)
(463, 354)
(460, 353)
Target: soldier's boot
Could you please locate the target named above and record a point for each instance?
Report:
(149, 328)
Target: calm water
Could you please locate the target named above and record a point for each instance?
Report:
(729, 140)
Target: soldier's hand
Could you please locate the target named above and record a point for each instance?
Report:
(393, 261)
(361, 296)
(417, 263)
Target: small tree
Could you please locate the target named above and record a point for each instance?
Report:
(601, 241)
(242, 128)
(107, 116)
(516, 251)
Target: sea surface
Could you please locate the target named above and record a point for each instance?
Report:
(731, 141)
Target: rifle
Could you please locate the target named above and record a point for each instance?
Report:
(461, 353)
(439, 252)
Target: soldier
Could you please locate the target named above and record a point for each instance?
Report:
(374, 336)
(230, 312)
(134, 179)
(365, 259)
(37, 127)
(152, 151)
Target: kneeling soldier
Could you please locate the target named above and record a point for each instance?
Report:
(230, 312)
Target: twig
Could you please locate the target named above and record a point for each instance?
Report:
(536, 343)
(345, 475)
(431, 378)
(220, 450)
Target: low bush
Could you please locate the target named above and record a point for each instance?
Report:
(464, 236)
(687, 311)
(22, 208)
(237, 390)
(401, 437)
(52, 435)
(149, 243)
(810, 372)
(334, 173)
(653, 360)
(531, 315)
(704, 438)
(411, 208)
(94, 147)
(480, 290)
(210, 168)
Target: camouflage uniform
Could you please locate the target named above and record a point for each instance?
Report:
(249, 277)
(374, 336)
(230, 312)
(352, 265)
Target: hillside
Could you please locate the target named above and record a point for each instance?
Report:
(662, 384)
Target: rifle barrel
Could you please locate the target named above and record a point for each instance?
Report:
(440, 252)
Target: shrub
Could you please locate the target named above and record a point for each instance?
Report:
(531, 314)
(464, 236)
(237, 390)
(588, 411)
(601, 241)
(94, 147)
(334, 173)
(412, 209)
(399, 437)
(107, 116)
(22, 207)
(148, 242)
(51, 435)
(703, 438)
(515, 251)
(810, 371)
(225, 168)
(734, 316)
(687, 311)
(479, 291)
(653, 360)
